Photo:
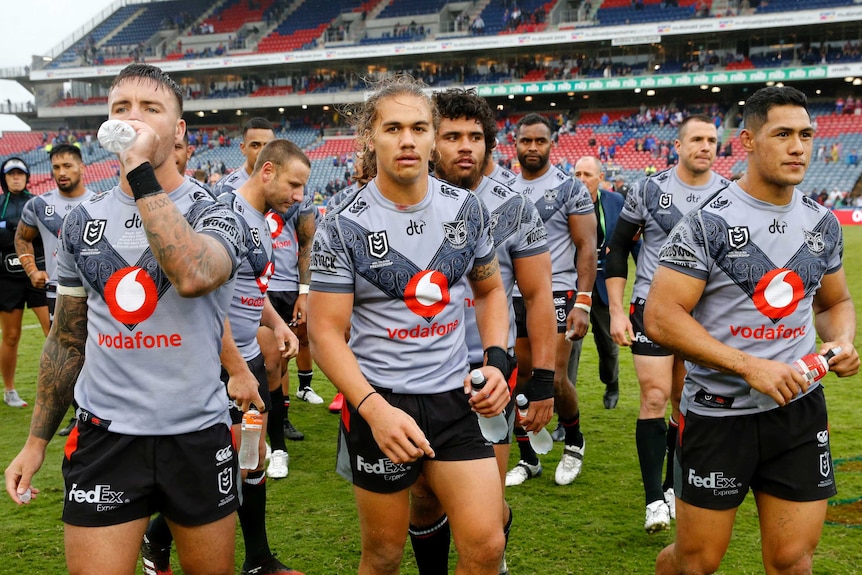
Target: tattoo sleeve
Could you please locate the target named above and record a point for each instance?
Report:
(306, 226)
(60, 364)
(479, 273)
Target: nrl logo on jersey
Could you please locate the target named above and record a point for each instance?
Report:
(814, 242)
(378, 244)
(49, 211)
(94, 231)
(456, 233)
(665, 201)
(255, 236)
(738, 237)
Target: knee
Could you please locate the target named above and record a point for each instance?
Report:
(11, 336)
(672, 561)
(486, 550)
(790, 561)
(382, 556)
(655, 397)
(425, 508)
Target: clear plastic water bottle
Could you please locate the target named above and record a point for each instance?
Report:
(813, 366)
(252, 425)
(494, 428)
(542, 442)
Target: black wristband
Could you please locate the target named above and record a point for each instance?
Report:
(499, 358)
(143, 182)
(540, 386)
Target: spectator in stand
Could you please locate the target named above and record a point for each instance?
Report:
(853, 158)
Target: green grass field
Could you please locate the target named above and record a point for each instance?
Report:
(593, 526)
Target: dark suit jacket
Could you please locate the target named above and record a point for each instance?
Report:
(612, 205)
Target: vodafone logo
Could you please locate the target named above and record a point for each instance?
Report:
(275, 222)
(131, 295)
(427, 293)
(263, 279)
(778, 293)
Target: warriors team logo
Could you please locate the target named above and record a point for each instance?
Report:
(94, 231)
(378, 244)
(456, 233)
(665, 201)
(131, 295)
(427, 293)
(255, 236)
(275, 223)
(495, 218)
(49, 211)
(263, 279)
(778, 293)
(825, 464)
(551, 195)
(814, 241)
(738, 237)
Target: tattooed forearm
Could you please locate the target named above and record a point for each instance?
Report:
(59, 366)
(157, 202)
(479, 273)
(306, 226)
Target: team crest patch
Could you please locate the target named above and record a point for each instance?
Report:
(738, 237)
(814, 241)
(225, 480)
(255, 236)
(378, 244)
(665, 201)
(456, 233)
(49, 211)
(551, 195)
(94, 231)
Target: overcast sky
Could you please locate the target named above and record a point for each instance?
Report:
(35, 27)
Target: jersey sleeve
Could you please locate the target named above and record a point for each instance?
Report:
(634, 207)
(331, 266)
(579, 202)
(31, 208)
(533, 237)
(221, 222)
(685, 249)
(484, 239)
(67, 271)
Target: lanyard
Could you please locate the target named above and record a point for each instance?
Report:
(600, 212)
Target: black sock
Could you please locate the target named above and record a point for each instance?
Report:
(275, 421)
(572, 427)
(528, 454)
(252, 519)
(159, 533)
(672, 430)
(650, 439)
(431, 547)
(304, 378)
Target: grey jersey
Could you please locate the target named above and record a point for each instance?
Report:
(407, 270)
(557, 196)
(762, 264)
(657, 203)
(252, 277)
(46, 213)
(340, 196)
(285, 244)
(518, 232)
(231, 182)
(152, 356)
(502, 175)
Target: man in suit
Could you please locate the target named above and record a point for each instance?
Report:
(608, 205)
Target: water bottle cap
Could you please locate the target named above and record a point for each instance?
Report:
(521, 400)
(477, 378)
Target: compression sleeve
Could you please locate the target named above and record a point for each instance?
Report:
(616, 260)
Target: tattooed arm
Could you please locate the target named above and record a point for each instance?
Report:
(60, 364)
(306, 225)
(24, 237)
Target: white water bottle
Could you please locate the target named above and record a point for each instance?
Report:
(541, 442)
(252, 425)
(494, 428)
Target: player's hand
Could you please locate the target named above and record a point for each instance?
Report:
(776, 379)
(395, 432)
(143, 148)
(39, 279)
(300, 315)
(20, 472)
(846, 362)
(621, 330)
(494, 397)
(539, 414)
(243, 388)
(577, 324)
(286, 340)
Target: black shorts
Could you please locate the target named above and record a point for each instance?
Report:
(446, 420)
(112, 478)
(283, 302)
(564, 301)
(258, 370)
(19, 293)
(642, 344)
(783, 452)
